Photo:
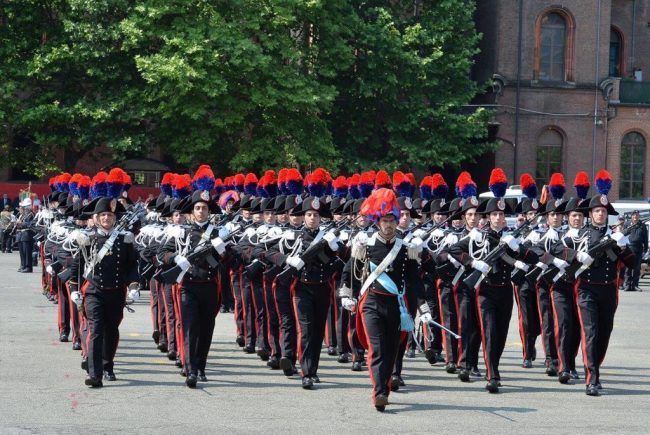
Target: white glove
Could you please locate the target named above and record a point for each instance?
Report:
(426, 318)
(49, 270)
(295, 261)
(332, 240)
(560, 264)
(219, 245)
(419, 233)
(349, 304)
(182, 262)
(361, 239)
(481, 266)
(224, 232)
(621, 240)
(231, 227)
(77, 298)
(262, 230)
(532, 237)
(521, 265)
(38, 244)
(134, 294)
(344, 236)
(437, 233)
(289, 235)
(541, 265)
(417, 244)
(475, 235)
(584, 258)
(512, 242)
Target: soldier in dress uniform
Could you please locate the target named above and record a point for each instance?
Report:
(103, 287)
(386, 271)
(597, 285)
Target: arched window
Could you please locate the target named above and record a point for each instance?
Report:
(549, 154)
(616, 49)
(632, 166)
(553, 56)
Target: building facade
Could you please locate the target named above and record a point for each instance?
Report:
(570, 88)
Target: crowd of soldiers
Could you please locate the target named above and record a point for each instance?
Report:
(363, 264)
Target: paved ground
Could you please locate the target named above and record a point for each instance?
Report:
(42, 391)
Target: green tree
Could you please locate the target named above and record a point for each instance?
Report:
(241, 84)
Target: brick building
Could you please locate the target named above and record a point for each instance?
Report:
(568, 88)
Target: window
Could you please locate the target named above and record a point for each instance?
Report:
(551, 62)
(632, 166)
(553, 55)
(549, 155)
(616, 68)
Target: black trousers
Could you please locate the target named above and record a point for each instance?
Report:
(449, 319)
(236, 283)
(199, 308)
(272, 318)
(331, 334)
(7, 241)
(632, 274)
(528, 316)
(227, 296)
(470, 334)
(311, 302)
(63, 307)
(381, 320)
(596, 308)
(249, 313)
(567, 326)
(25, 249)
(405, 339)
(342, 328)
(256, 294)
(104, 310)
(548, 322)
(287, 318)
(433, 342)
(495, 310)
(170, 317)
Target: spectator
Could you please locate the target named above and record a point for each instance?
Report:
(6, 228)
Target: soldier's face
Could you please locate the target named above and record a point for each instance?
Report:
(312, 219)
(404, 218)
(438, 218)
(200, 212)
(576, 219)
(282, 218)
(246, 214)
(531, 215)
(106, 220)
(295, 221)
(269, 218)
(471, 218)
(257, 218)
(361, 221)
(635, 218)
(598, 216)
(554, 219)
(178, 218)
(497, 220)
(387, 226)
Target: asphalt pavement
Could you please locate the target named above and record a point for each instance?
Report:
(42, 386)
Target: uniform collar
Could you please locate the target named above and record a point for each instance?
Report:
(384, 241)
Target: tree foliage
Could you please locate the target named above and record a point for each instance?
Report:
(243, 84)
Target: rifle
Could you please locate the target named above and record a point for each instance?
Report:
(313, 251)
(126, 221)
(175, 274)
(604, 245)
(474, 279)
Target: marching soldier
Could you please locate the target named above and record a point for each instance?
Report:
(597, 286)
(386, 272)
(107, 273)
